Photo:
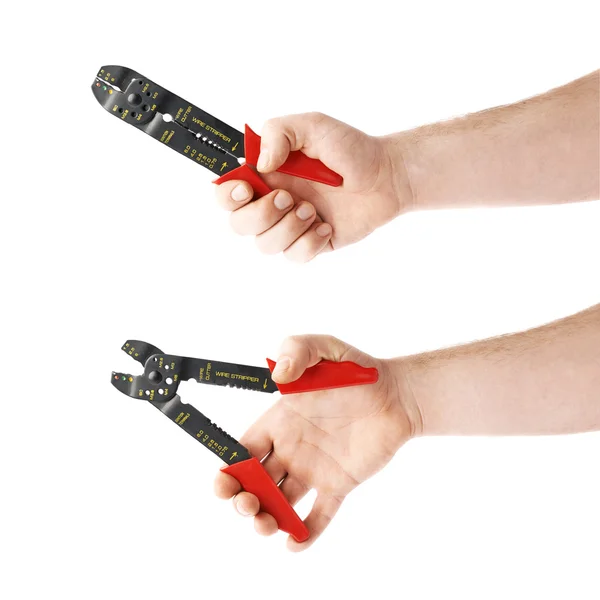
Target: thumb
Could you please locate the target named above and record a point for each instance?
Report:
(298, 353)
(313, 133)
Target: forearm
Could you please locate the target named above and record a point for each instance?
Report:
(542, 381)
(539, 151)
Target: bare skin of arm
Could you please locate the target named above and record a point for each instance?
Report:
(543, 150)
(543, 381)
(538, 151)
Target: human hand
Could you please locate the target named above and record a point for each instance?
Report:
(302, 218)
(330, 441)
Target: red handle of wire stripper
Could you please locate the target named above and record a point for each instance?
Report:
(251, 474)
(297, 164)
(254, 479)
(327, 375)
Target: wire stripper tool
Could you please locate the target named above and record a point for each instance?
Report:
(160, 381)
(194, 133)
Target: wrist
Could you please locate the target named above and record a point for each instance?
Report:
(396, 152)
(430, 382)
(426, 159)
(407, 400)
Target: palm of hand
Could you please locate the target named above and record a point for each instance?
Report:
(332, 441)
(367, 198)
(329, 441)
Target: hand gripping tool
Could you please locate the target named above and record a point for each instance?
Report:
(160, 381)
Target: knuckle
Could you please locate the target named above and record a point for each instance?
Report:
(223, 193)
(331, 340)
(317, 116)
(241, 223)
(250, 220)
(297, 257)
(304, 249)
(265, 247)
(296, 346)
(290, 346)
(234, 223)
(280, 132)
(271, 126)
(294, 340)
(316, 121)
(260, 222)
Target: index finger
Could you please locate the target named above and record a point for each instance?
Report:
(259, 443)
(318, 519)
(226, 486)
(234, 194)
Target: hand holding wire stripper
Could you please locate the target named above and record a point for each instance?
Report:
(160, 381)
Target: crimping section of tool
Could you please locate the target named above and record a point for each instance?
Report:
(160, 381)
(194, 133)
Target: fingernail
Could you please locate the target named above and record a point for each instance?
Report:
(282, 365)
(239, 193)
(305, 211)
(323, 230)
(263, 160)
(283, 200)
(241, 509)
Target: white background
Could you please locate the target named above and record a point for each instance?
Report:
(106, 236)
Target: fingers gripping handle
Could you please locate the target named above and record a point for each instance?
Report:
(245, 173)
(297, 164)
(254, 479)
(250, 473)
(327, 375)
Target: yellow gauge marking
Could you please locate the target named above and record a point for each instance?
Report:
(167, 135)
(188, 110)
(182, 418)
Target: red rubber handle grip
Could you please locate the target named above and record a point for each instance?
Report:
(254, 479)
(327, 375)
(297, 164)
(252, 475)
(245, 173)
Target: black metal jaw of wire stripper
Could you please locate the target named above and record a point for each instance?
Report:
(194, 133)
(189, 130)
(159, 383)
